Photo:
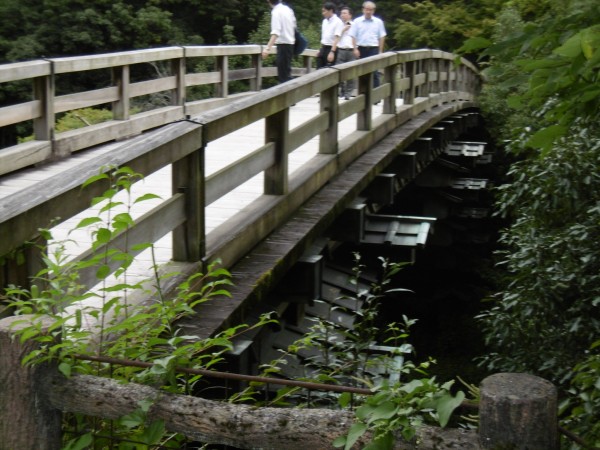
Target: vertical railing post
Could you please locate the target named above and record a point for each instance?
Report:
(277, 131)
(256, 82)
(451, 76)
(447, 69)
(425, 66)
(27, 421)
(390, 75)
(178, 94)
(410, 93)
(43, 91)
(188, 177)
(364, 120)
(439, 65)
(462, 78)
(120, 79)
(223, 68)
(328, 140)
(308, 63)
(518, 410)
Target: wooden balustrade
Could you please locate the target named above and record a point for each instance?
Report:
(421, 78)
(118, 90)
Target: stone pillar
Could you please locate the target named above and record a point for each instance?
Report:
(27, 421)
(518, 411)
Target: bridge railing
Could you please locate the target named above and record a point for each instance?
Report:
(174, 72)
(423, 79)
(516, 410)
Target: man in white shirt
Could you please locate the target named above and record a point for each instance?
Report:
(283, 27)
(330, 28)
(368, 35)
(344, 50)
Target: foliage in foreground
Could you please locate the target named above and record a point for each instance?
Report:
(365, 355)
(542, 95)
(105, 322)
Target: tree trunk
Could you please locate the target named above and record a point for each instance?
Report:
(235, 425)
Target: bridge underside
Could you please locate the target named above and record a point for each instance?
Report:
(346, 207)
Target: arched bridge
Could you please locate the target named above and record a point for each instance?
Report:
(253, 178)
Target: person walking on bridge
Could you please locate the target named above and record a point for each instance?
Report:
(283, 27)
(331, 29)
(344, 49)
(368, 35)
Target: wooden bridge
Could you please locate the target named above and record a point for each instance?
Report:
(251, 178)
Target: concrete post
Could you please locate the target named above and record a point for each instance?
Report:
(518, 411)
(27, 421)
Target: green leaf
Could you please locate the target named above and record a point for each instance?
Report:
(135, 419)
(124, 218)
(141, 247)
(65, 369)
(145, 197)
(571, 48)
(530, 66)
(473, 44)
(384, 442)
(446, 405)
(102, 272)
(411, 386)
(93, 179)
(354, 434)
(103, 235)
(153, 434)
(386, 410)
(546, 136)
(339, 441)
(87, 222)
(345, 399)
(80, 443)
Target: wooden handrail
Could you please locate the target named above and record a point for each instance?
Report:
(424, 79)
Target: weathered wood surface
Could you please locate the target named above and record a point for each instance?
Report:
(27, 421)
(518, 411)
(240, 189)
(271, 258)
(240, 426)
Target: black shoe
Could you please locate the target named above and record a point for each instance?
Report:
(347, 97)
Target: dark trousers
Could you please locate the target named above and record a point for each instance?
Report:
(322, 57)
(283, 61)
(345, 55)
(365, 52)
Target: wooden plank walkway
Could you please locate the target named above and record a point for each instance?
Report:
(71, 241)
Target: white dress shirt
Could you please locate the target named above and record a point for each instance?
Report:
(331, 28)
(283, 24)
(368, 32)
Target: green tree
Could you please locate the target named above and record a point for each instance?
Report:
(543, 95)
(442, 25)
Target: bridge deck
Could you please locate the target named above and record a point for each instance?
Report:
(70, 241)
